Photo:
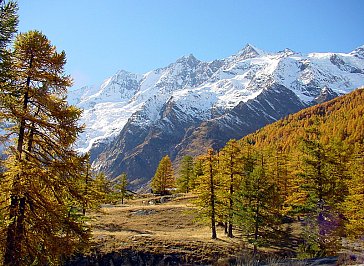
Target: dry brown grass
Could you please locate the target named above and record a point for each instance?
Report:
(171, 228)
(168, 228)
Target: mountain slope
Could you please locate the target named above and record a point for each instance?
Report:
(272, 104)
(134, 120)
(339, 119)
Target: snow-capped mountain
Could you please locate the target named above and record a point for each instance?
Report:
(133, 120)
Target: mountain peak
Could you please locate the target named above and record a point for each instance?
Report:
(358, 52)
(186, 60)
(249, 51)
(287, 52)
(118, 77)
(123, 72)
(132, 121)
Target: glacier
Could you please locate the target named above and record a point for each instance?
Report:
(206, 90)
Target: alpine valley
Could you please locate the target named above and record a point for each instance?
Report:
(133, 120)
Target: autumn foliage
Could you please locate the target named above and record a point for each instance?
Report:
(308, 165)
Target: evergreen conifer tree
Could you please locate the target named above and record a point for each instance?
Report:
(185, 182)
(325, 187)
(120, 187)
(255, 202)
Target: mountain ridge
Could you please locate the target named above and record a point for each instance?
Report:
(133, 119)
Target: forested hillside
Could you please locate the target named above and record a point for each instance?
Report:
(341, 119)
(308, 166)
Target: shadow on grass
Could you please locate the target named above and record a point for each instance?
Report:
(112, 227)
(283, 241)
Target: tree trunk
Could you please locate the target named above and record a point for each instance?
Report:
(15, 231)
(212, 201)
(256, 231)
(230, 230)
(231, 202)
(12, 256)
(86, 191)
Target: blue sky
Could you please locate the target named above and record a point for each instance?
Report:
(101, 37)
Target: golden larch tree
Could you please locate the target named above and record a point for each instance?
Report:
(163, 180)
(43, 173)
